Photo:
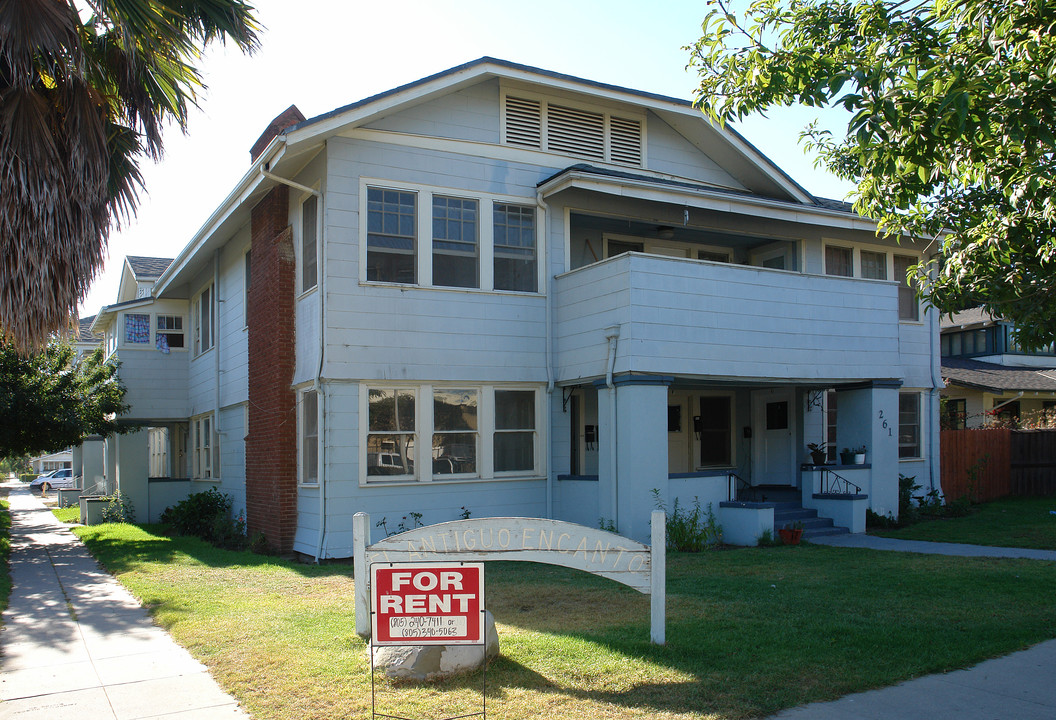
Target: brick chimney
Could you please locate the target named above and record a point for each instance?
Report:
(289, 116)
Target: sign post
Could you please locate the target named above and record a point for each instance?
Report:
(428, 603)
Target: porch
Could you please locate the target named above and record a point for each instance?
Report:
(648, 440)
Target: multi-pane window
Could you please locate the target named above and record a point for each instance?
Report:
(390, 432)
(908, 308)
(472, 432)
(874, 265)
(309, 260)
(454, 432)
(456, 256)
(203, 321)
(839, 261)
(309, 437)
(514, 431)
(514, 239)
(716, 430)
(391, 235)
(169, 333)
(909, 425)
(203, 440)
(137, 328)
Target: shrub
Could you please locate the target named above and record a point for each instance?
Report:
(119, 509)
(207, 515)
(690, 530)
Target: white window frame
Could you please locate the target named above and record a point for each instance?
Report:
(423, 250)
(920, 425)
(302, 237)
(424, 428)
(305, 439)
(247, 277)
(123, 328)
(204, 441)
(203, 344)
(158, 330)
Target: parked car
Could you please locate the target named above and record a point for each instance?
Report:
(61, 478)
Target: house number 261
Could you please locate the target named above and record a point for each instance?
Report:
(883, 423)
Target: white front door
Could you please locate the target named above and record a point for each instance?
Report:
(774, 427)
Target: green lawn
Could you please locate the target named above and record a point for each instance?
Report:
(1011, 522)
(751, 631)
(70, 514)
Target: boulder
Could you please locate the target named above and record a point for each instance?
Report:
(432, 662)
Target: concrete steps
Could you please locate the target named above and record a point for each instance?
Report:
(789, 510)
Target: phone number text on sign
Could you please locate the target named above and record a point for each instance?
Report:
(427, 603)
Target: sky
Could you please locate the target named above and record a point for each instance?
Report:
(323, 54)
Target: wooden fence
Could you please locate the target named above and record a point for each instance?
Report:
(989, 464)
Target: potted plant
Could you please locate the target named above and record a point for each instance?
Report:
(847, 456)
(817, 453)
(859, 455)
(791, 533)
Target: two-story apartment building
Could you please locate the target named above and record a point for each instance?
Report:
(989, 374)
(508, 291)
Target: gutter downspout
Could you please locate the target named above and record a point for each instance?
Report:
(541, 236)
(612, 334)
(936, 384)
(317, 384)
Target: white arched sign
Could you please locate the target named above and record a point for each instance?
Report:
(526, 539)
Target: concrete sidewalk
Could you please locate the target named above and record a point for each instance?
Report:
(76, 644)
(874, 542)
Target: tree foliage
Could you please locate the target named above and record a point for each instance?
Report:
(53, 400)
(85, 89)
(951, 134)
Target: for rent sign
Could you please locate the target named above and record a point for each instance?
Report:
(427, 603)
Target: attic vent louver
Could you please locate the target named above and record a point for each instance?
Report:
(524, 122)
(625, 141)
(576, 132)
(580, 131)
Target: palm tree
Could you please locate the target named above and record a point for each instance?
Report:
(85, 89)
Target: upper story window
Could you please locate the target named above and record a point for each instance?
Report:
(170, 332)
(874, 265)
(908, 307)
(391, 235)
(563, 127)
(486, 243)
(455, 247)
(514, 233)
(839, 261)
(202, 319)
(309, 259)
(137, 328)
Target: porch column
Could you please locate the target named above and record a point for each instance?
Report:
(632, 429)
(132, 470)
(869, 416)
(92, 467)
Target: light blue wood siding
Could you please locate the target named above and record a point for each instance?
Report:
(691, 318)
(669, 152)
(469, 114)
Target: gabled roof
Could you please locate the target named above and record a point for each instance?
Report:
(997, 378)
(294, 146)
(967, 318)
(147, 268)
(84, 331)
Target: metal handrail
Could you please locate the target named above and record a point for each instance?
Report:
(831, 484)
(731, 491)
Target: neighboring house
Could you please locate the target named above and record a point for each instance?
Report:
(987, 373)
(51, 461)
(514, 292)
(85, 341)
